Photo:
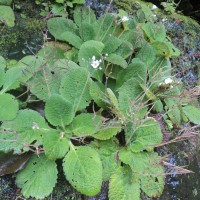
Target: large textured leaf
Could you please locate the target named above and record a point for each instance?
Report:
(87, 31)
(44, 84)
(137, 69)
(7, 16)
(83, 169)
(117, 60)
(87, 51)
(84, 14)
(58, 111)
(129, 95)
(123, 185)
(8, 107)
(58, 25)
(72, 39)
(193, 113)
(2, 70)
(154, 31)
(85, 124)
(108, 151)
(55, 144)
(75, 88)
(12, 79)
(38, 178)
(147, 168)
(146, 136)
(147, 53)
(26, 128)
(111, 44)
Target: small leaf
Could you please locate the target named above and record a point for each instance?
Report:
(83, 169)
(193, 114)
(108, 130)
(123, 185)
(8, 107)
(58, 111)
(55, 144)
(85, 124)
(7, 16)
(39, 172)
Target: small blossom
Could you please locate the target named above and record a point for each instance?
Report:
(106, 54)
(35, 126)
(124, 18)
(154, 7)
(164, 20)
(95, 63)
(171, 86)
(154, 15)
(168, 81)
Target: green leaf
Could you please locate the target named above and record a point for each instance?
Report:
(84, 14)
(125, 49)
(193, 113)
(55, 144)
(2, 70)
(108, 130)
(155, 32)
(7, 16)
(108, 152)
(147, 168)
(97, 93)
(25, 129)
(123, 185)
(111, 44)
(147, 53)
(75, 87)
(83, 169)
(58, 25)
(45, 84)
(137, 69)
(129, 94)
(117, 60)
(12, 79)
(146, 136)
(72, 39)
(8, 107)
(6, 2)
(85, 124)
(39, 172)
(58, 111)
(87, 51)
(87, 31)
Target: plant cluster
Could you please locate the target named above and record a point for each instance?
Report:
(99, 99)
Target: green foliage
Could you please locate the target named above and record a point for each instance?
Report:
(83, 169)
(55, 144)
(97, 98)
(75, 88)
(7, 16)
(8, 107)
(58, 111)
(39, 171)
(192, 113)
(123, 185)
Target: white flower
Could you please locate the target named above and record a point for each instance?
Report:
(124, 18)
(35, 126)
(164, 20)
(106, 54)
(154, 7)
(95, 63)
(168, 81)
(154, 15)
